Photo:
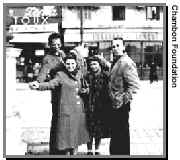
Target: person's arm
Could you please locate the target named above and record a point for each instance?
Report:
(44, 70)
(105, 64)
(84, 86)
(57, 81)
(132, 81)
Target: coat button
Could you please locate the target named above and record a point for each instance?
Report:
(77, 97)
(77, 89)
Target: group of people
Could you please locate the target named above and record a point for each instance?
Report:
(90, 98)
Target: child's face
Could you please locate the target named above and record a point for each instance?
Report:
(95, 67)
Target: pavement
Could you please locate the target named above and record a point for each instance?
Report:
(33, 115)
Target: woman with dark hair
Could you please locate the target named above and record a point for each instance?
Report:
(68, 125)
(98, 104)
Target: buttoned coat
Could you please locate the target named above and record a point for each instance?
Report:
(124, 80)
(68, 127)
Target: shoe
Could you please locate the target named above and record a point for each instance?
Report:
(89, 153)
(97, 153)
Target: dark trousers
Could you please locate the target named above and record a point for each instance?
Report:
(120, 138)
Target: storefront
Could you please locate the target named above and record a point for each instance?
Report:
(143, 45)
(30, 28)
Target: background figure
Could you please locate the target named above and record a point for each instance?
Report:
(68, 127)
(123, 83)
(80, 59)
(36, 69)
(153, 76)
(97, 104)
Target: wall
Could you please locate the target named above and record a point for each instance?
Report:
(103, 18)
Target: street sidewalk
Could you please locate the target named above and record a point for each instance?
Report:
(146, 120)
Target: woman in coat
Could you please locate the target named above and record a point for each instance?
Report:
(98, 104)
(68, 126)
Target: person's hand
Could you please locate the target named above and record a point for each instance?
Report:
(99, 56)
(83, 91)
(127, 97)
(34, 85)
(103, 60)
(117, 100)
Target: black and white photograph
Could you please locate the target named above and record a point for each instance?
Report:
(85, 80)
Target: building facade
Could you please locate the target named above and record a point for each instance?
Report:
(140, 26)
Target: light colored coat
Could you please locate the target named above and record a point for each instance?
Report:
(68, 128)
(123, 80)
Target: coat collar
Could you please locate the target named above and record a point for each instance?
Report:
(75, 77)
(119, 61)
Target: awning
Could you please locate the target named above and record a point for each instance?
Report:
(30, 38)
(91, 35)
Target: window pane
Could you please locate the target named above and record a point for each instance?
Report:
(153, 13)
(153, 52)
(133, 49)
(118, 12)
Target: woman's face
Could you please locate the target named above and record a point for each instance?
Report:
(95, 67)
(70, 65)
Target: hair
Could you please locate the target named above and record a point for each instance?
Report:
(73, 51)
(54, 36)
(93, 58)
(70, 56)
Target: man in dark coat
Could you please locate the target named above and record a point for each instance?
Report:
(153, 73)
(123, 83)
(52, 62)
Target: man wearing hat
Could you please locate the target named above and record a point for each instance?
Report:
(123, 83)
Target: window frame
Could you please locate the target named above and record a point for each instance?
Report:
(119, 9)
(153, 16)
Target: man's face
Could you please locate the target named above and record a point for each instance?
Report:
(55, 45)
(95, 67)
(117, 47)
(70, 65)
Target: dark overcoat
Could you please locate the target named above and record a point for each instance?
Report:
(98, 104)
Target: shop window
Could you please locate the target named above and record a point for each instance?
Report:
(153, 13)
(143, 54)
(133, 49)
(118, 13)
(153, 52)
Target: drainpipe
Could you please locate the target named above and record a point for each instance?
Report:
(81, 24)
(60, 28)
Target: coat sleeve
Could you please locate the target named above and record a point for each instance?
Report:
(131, 79)
(57, 81)
(44, 70)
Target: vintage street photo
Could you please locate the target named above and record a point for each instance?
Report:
(84, 80)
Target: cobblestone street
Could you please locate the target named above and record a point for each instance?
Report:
(146, 121)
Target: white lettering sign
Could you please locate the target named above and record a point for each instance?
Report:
(30, 20)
